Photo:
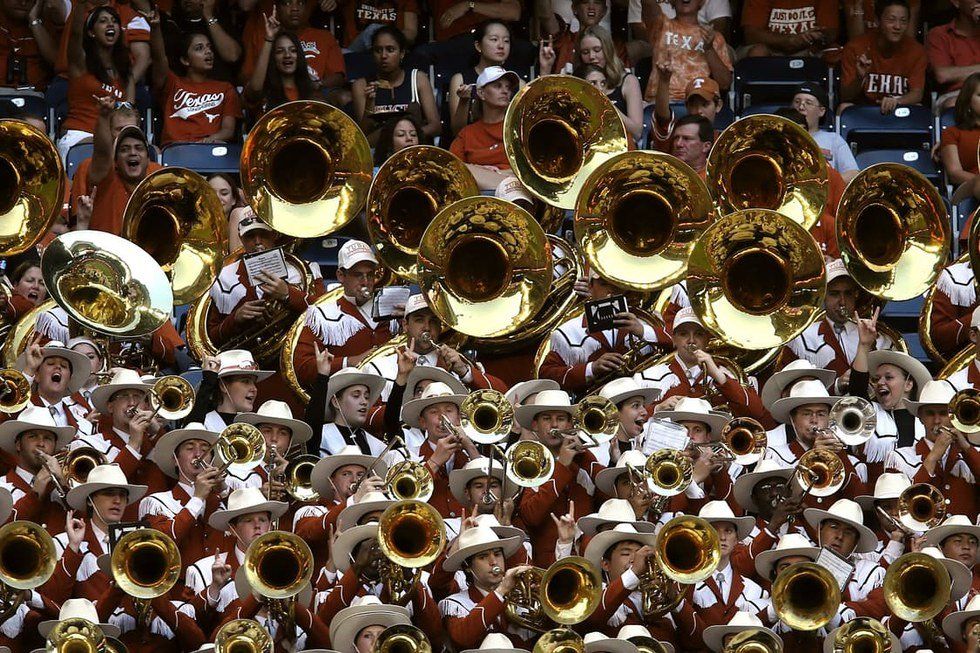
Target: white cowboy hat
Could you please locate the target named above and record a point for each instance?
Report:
(73, 609)
(421, 373)
(828, 642)
(952, 525)
(801, 394)
(349, 455)
(640, 636)
(933, 393)
(103, 477)
(34, 418)
(370, 502)
(478, 468)
(351, 376)
(245, 501)
(888, 486)
(238, 362)
(720, 511)
(489, 520)
(914, 368)
(278, 412)
(81, 368)
(791, 544)
(954, 622)
(122, 379)
(606, 479)
(744, 484)
(163, 451)
(613, 511)
(434, 393)
(348, 540)
(959, 574)
(850, 513)
(599, 643)
(364, 611)
(554, 400)
(789, 375)
(693, 409)
(623, 388)
(496, 643)
(601, 542)
(476, 539)
(520, 392)
(714, 636)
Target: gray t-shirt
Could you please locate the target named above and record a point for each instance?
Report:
(838, 154)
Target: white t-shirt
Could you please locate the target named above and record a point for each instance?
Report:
(564, 9)
(836, 150)
(709, 11)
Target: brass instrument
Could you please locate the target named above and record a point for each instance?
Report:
(27, 561)
(646, 644)
(768, 162)
(19, 335)
(486, 416)
(290, 340)
(408, 191)
(560, 640)
(77, 463)
(917, 588)
(754, 640)
(145, 564)
(402, 638)
(921, 507)
(670, 471)
(639, 356)
(298, 483)
(409, 480)
(637, 217)
(242, 636)
(687, 549)
(177, 218)
(411, 535)
(393, 441)
(523, 603)
(557, 131)
(33, 181)
(852, 420)
(756, 279)
(15, 391)
(278, 566)
(862, 635)
(529, 463)
(76, 635)
(306, 168)
(171, 397)
(240, 447)
(893, 231)
(806, 596)
(746, 439)
(484, 266)
(570, 589)
(820, 472)
(597, 419)
(659, 594)
(964, 411)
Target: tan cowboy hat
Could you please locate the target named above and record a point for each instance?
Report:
(720, 511)
(520, 392)
(714, 636)
(613, 511)
(81, 368)
(601, 543)
(693, 409)
(77, 609)
(789, 375)
(364, 611)
(849, 512)
(932, 393)
(370, 502)
(238, 362)
(434, 393)
(801, 394)
(599, 643)
(432, 373)
(348, 540)
(889, 485)
(544, 401)
(163, 450)
(34, 418)
(349, 455)
(641, 636)
(122, 379)
(623, 388)
(744, 484)
(245, 501)
(791, 544)
(496, 643)
(478, 468)
(476, 539)
(278, 412)
(606, 479)
(914, 368)
(351, 376)
(953, 525)
(954, 622)
(103, 477)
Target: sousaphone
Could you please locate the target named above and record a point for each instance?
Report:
(893, 231)
(485, 266)
(557, 130)
(176, 216)
(768, 162)
(306, 168)
(638, 216)
(409, 190)
(756, 279)
(32, 186)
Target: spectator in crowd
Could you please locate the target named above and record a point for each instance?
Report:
(26, 290)
(886, 66)
(135, 33)
(557, 49)
(860, 16)
(26, 47)
(713, 13)
(361, 19)
(287, 79)
(227, 191)
(690, 49)
(454, 20)
(481, 144)
(196, 107)
(201, 17)
(691, 140)
(958, 142)
(392, 89)
(596, 75)
(99, 64)
(595, 47)
(811, 100)
(396, 134)
(492, 43)
(702, 98)
(954, 51)
(788, 27)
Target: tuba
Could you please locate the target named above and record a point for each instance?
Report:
(15, 390)
(242, 636)
(964, 411)
(172, 397)
(76, 635)
(746, 439)
(687, 549)
(756, 279)
(306, 168)
(754, 640)
(557, 131)
(768, 162)
(893, 231)
(411, 187)
(570, 590)
(529, 463)
(486, 416)
(485, 266)
(27, 560)
(670, 472)
(862, 635)
(637, 218)
(402, 638)
(145, 564)
(917, 587)
(853, 420)
(820, 472)
(805, 596)
(176, 217)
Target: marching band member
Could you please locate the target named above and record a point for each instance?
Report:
(962, 627)
(764, 492)
(779, 385)
(841, 529)
(891, 537)
(717, 636)
(625, 484)
(124, 428)
(957, 537)
(954, 318)
(356, 628)
(228, 388)
(345, 403)
(81, 399)
(282, 433)
(340, 476)
(418, 379)
(522, 393)
(57, 373)
(969, 376)
(631, 400)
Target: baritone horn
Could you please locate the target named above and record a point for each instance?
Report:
(172, 397)
(806, 596)
(820, 472)
(15, 390)
(486, 416)
(746, 439)
(862, 635)
(411, 534)
(402, 638)
(670, 471)
(76, 635)
(893, 231)
(687, 549)
(917, 587)
(921, 506)
(570, 590)
(523, 603)
(242, 636)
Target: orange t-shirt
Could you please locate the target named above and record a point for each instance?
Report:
(358, 14)
(323, 55)
(79, 184)
(111, 197)
(684, 45)
(790, 16)
(135, 28)
(83, 111)
(193, 111)
(966, 141)
(481, 143)
(16, 41)
(466, 23)
(889, 76)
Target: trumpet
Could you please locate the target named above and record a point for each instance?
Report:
(687, 549)
(671, 472)
(746, 439)
(76, 635)
(920, 507)
(821, 471)
(409, 480)
(805, 596)
(242, 636)
(240, 448)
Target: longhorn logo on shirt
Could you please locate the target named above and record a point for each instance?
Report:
(187, 104)
(310, 49)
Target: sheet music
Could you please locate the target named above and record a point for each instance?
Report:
(272, 261)
(663, 434)
(835, 564)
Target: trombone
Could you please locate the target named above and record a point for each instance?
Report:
(299, 484)
(486, 416)
(670, 471)
(242, 636)
(394, 440)
(805, 596)
(820, 472)
(402, 638)
(528, 463)
(917, 588)
(852, 420)
(278, 566)
(964, 411)
(240, 448)
(171, 397)
(746, 440)
(920, 507)
(595, 420)
(409, 480)
(77, 463)
(145, 564)
(411, 535)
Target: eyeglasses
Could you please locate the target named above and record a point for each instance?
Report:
(806, 104)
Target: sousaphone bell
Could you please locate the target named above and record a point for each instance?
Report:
(638, 216)
(32, 186)
(485, 266)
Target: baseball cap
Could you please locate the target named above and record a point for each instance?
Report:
(814, 89)
(836, 270)
(130, 131)
(415, 302)
(353, 252)
(493, 73)
(686, 315)
(512, 190)
(251, 222)
(704, 87)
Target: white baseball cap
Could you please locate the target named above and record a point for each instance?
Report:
(251, 222)
(686, 315)
(836, 269)
(512, 190)
(353, 252)
(491, 74)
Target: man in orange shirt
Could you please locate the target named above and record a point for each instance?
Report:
(954, 51)
(788, 27)
(122, 116)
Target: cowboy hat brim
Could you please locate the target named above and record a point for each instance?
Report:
(599, 544)
(915, 369)
(11, 429)
(935, 536)
(413, 409)
(526, 414)
(78, 495)
(591, 523)
(348, 540)
(220, 519)
(460, 478)
(300, 429)
(325, 467)
(867, 540)
(45, 627)
(163, 451)
(778, 382)
(765, 561)
(714, 636)
(103, 393)
(350, 621)
(81, 368)
(455, 560)
(714, 421)
(781, 408)
(352, 514)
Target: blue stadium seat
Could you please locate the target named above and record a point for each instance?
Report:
(946, 119)
(863, 127)
(76, 155)
(14, 100)
(204, 158)
(323, 252)
(916, 350)
(917, 159)
(765, 79)
(358, 65)
(909, 309)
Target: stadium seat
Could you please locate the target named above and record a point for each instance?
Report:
(205, 158)
(917, 159)
(358, 65)
(863, 127)
(766, 79)
(323, 252)
(916, 350)
(908, 309)
(76, 155)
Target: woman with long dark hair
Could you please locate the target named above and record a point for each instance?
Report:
(492, 43)
(287, 78)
